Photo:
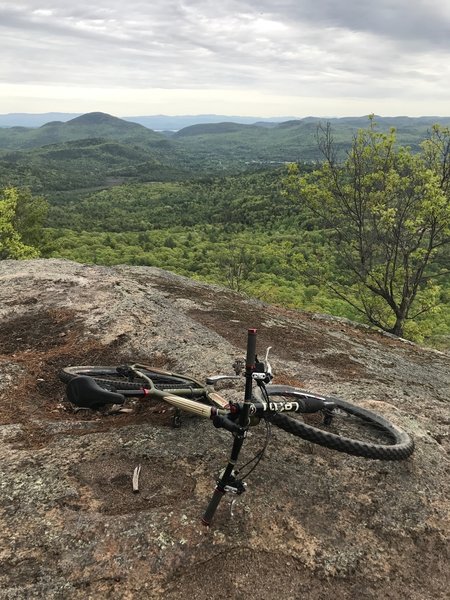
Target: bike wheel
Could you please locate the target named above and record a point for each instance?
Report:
(351, 429)
(118, 378)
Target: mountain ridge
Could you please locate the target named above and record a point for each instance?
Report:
(159, 122)
(89, 125)
(199, 150)
(177, 122)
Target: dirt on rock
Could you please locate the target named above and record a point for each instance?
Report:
(313, 523)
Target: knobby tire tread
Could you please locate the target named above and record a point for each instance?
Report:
(402, 444)
(119, 383)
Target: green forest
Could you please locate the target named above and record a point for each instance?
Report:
(344, 219)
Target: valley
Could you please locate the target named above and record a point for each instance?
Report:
(207, 201)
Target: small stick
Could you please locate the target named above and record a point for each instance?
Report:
(136, 474)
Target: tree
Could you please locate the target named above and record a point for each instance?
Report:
(30, 214)
(236, 264)
(21, 218)
(387, 212)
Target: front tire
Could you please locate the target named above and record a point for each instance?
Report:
(351, 429)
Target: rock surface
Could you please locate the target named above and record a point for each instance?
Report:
(313, 524)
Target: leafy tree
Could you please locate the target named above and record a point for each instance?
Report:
(20, 224)
(387, 212)
(236, 264)
(30, 214)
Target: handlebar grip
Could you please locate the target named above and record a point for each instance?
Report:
(212, 506)
(251, 349)
(312, 405)
(223, 422)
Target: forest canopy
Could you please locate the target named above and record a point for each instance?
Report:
(289, 235)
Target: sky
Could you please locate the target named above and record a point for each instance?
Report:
(231, 57)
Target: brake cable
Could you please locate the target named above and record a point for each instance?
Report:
(259, 455)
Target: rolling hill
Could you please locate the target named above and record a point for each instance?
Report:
(213, 128)
(90, 125)
(93, 149)
(293, 140)
(157, 122)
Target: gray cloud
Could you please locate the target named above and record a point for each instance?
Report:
(421, 22)
(304, 48)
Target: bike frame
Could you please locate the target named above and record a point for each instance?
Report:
(239, 436)
(232, 417)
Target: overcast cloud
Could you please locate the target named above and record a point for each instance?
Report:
(258, 57)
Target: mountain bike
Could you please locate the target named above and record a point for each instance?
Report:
(337, 424)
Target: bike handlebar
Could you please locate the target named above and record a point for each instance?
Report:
(251, 349)
(224, 422)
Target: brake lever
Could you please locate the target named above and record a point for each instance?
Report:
(268, 365)
(263, 371)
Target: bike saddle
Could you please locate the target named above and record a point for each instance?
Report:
(85, 392)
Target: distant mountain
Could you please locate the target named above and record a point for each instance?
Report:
(158, 122)
(90, 150)
(94, 148)
(237, 145)
(175, 123)
(213, 128)
(91, 125)
(98, 118)
(104, 125)
(294, 140)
